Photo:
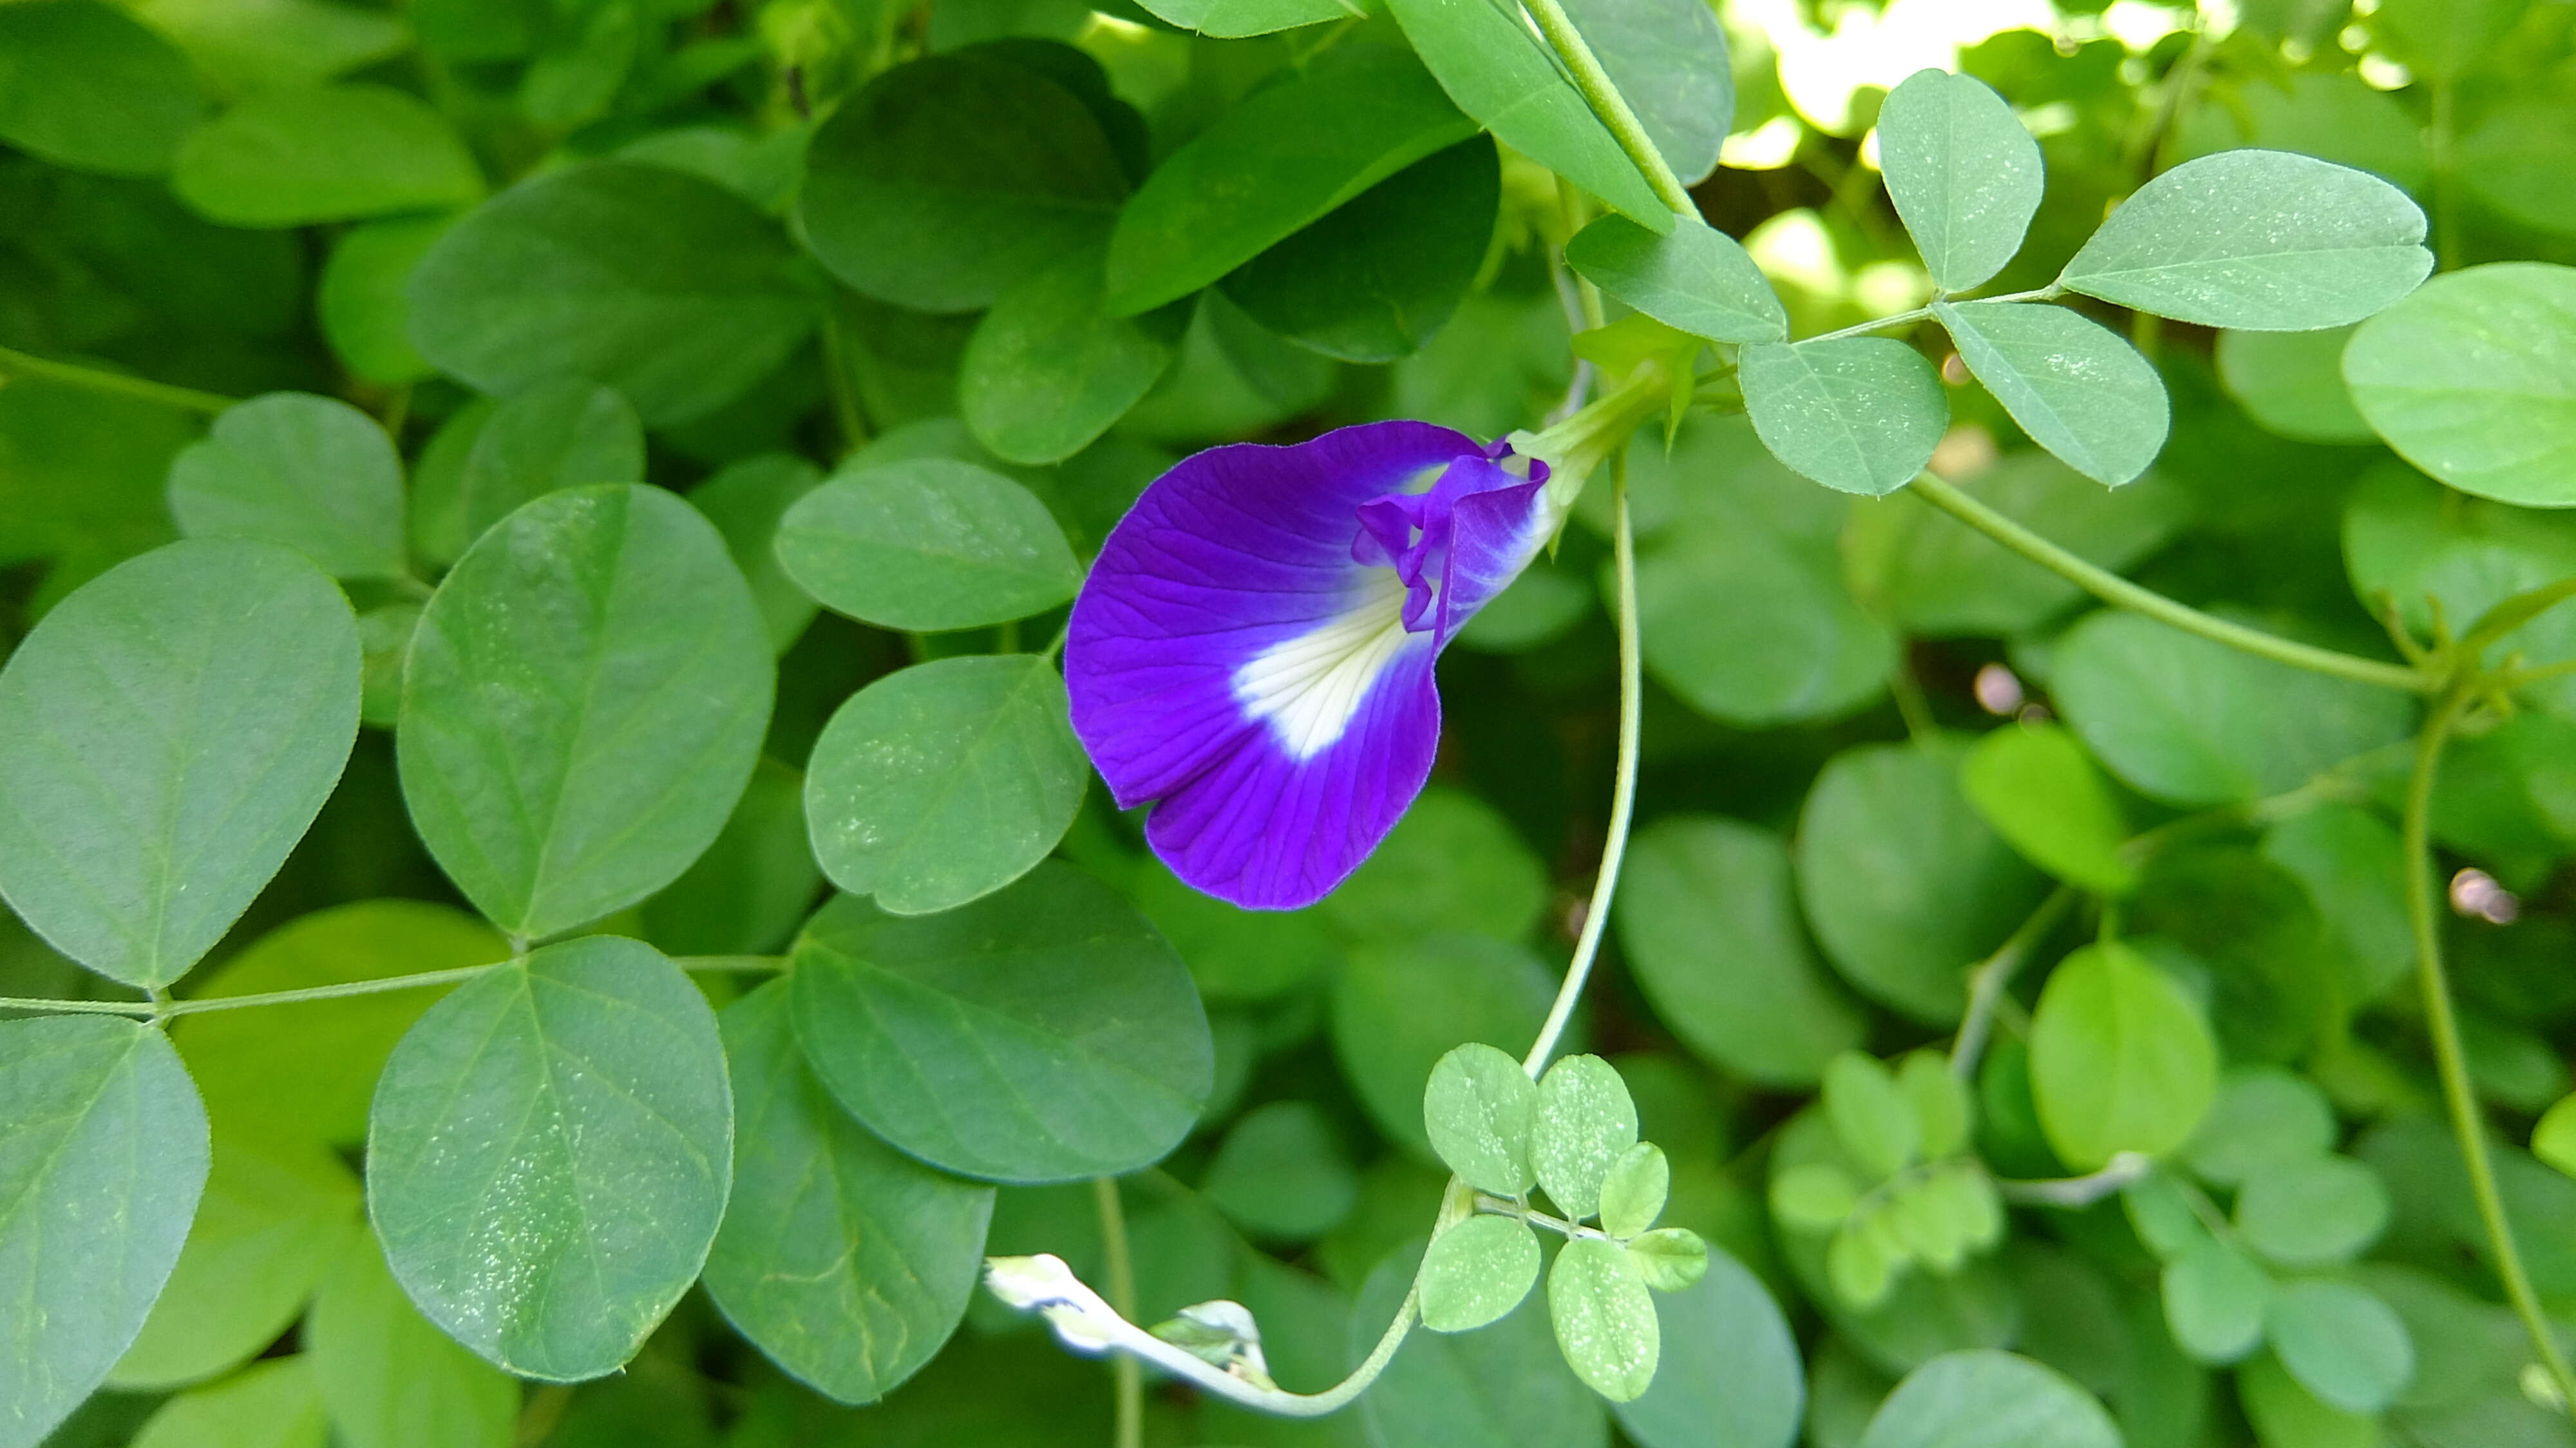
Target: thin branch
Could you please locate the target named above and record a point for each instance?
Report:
(114, 384)
(1989, 978)
(1600, 93)
(2081, 1191)
(1130, 1431)
(200, 1005)
(2111, 588)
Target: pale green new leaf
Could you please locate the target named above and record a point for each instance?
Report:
(389, 1378)
(2120, 1058)
(300, 155)
(2037, 787)
(1236, 19)
(1583, 1122)
(1633, 1191)
(1605, 1322)
(1476, 1272)
(1477, 1109)
(272, 1404)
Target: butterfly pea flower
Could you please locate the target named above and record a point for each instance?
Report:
(1252, 651)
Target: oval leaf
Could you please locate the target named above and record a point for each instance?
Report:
(1992, 1399)
(1584, 1120)
(2473, 379)
(927, 544)
(166, 735)
(1730, 1375)
(1476, 1272)
(2120, 1058)
(1048, 370)
(2040, 791)
(1857, 414)
(311, 473)
(2342, 1342)
(1477, 1110)
(2078, 388)
(1041, 1034)
(298, 155)
(549, 1156)
(1697, 278)
(1605, 1321)
(1964, 174)
(638, 685)
(2214, 1299)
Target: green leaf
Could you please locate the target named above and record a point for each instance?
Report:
(1276, 163)
(1476, 1272)
(311, 473)
(1048, 369)
(1873, 1119)
(2514, 160)
(1730, 1375)
(946, 180)
(1066, 1037)
(2075, 386)
(927, 544)
(2415, 546)
(1939, 1100)
(2311, 1211)
(944, 782)
(2284, 1412)
(1282, 1173)
(2343, 1343)
(1695, 278)
(1507, 1385)
(1668, 58)
(751, 889)
(1236, 19)
(1904, 884)
(1668, 1259)
(2353, 866)
(1605, 1322)
(166, 735)
(2469, 379)
(1399, 1008)
(565, 433)
(1497, 71)
(1235, 954)
(1992, 1399)
(389, 1378)
(84, 484)
(2120, 1058)
(2553, 1137)
(2214, 1298)
(1929, 573)
(550, 1153)
(1583, 1123)
(667, 287)
(746, 501)
(1752, 625)
(298, 156)
(2441, 40)
(84, 85)
(1816, 1196)
(2192, 722)
(2264, 241)
(1710, 930)
(1378, 276)
(846, 1262)
(646, 686)
(276, 1211)
(310, 1069)
(1964, 174)
(2292, 383)
(273, 1404)
(2263, 1117)
(102, 1155)
(1865, 1258)
(253, 44)
(1477, 1110)
(1633, 1190)
(2040, 791)
(1453, 863)
(1857, 414)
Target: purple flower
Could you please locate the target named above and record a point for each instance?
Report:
(1253, 648)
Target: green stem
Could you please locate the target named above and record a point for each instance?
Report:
(1911, 706)
(114, 384)
(1600, 93)
(2442, 1025)
(1623, 790)
(422, 980)
(1130, 1432)
(2111, 588)
(1987, 981)
(836, 375)
(2082, 1191)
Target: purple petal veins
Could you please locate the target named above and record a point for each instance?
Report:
(1253, 649)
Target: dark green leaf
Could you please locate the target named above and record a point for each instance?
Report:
(2441, 40)
(1282, 1174)
(2076, 387)
(2263, 1116)
(1452, 863)
(1477, 1272)
(330, 153)
(1964, 174)
(945, 181)
(1235, 954)
(927, 544)
(1377, 277)
(667, 287)
(1048, 370)
(102, 1154)
(1668, 59)
(944, 782)
(616, 606)
(2292, 383)
(2515, 160)
(2469, 379)
(565, 433)
(1696, 278)
(746, 501)
(1040, 1034)
(1495, 68)
(1857, 414)
(1272, 166)
(751, 889)
(166, 736)
(1752, 625)
(1992, 1399)
(2120, 1058)
(549, 1155)
(84, 85)
(1710, 929)
(1506, 1386)
(1397, 1009)
(311, 473)
(2265, 241)
(848, 1263)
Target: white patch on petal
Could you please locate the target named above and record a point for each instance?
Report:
(1307, 688)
